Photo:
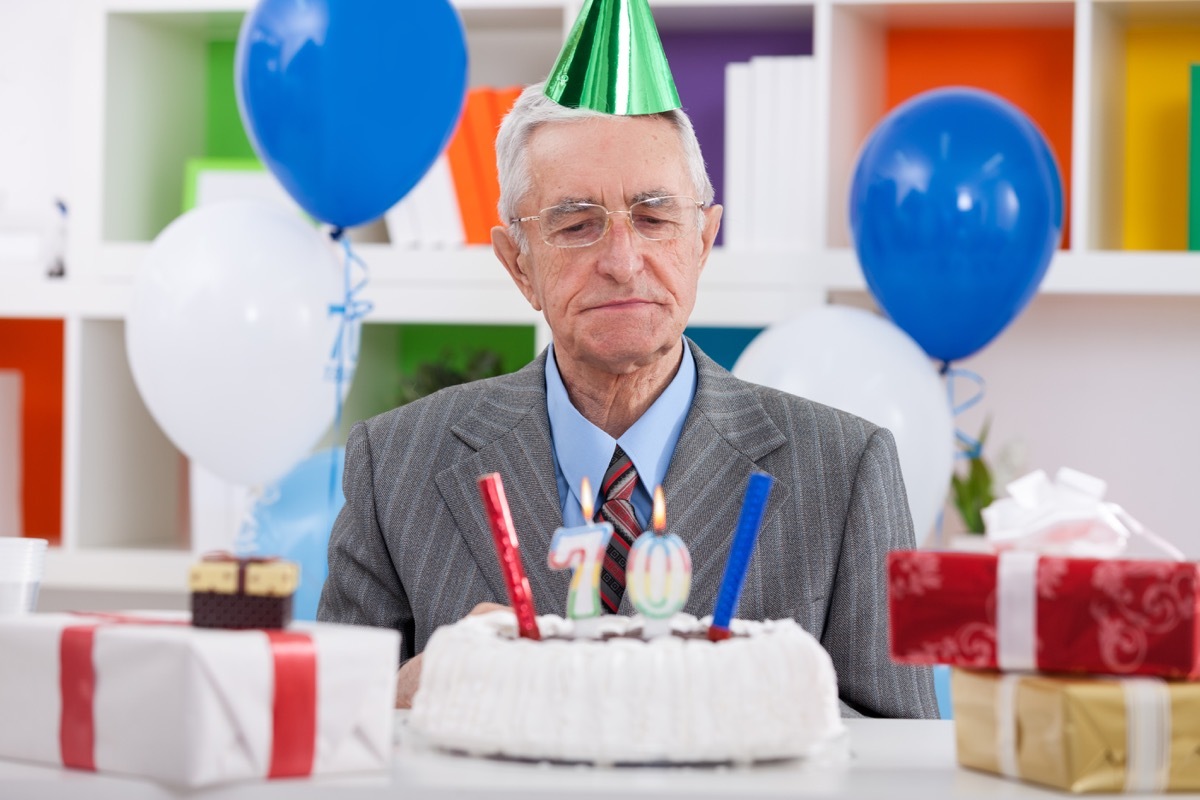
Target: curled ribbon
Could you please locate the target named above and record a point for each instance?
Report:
(971, 447)
(343, 360)
(344, 354)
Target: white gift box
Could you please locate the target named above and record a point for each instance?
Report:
(195, 706)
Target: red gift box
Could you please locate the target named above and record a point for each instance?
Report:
(1101, 616)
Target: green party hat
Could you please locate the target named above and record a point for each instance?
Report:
(613, 62)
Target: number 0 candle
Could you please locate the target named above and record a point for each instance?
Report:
(659, 577)
(495, 504)
(581, 549)
(744, 538)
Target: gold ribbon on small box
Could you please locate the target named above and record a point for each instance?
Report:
(1080, 734)
(224, 573)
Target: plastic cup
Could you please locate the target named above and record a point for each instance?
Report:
(22, 562)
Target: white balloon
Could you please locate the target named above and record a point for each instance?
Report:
(230, 334)
(861, 363)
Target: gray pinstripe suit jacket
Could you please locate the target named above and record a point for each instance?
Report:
(412, 550)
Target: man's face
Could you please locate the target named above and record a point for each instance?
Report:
(622, 302)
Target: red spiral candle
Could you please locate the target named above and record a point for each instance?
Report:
(508, 550)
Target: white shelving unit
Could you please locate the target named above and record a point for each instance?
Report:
(138, 102)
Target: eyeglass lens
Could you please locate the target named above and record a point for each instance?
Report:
(582, 224)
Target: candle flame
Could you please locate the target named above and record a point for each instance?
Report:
(585, 498)
(660, 511)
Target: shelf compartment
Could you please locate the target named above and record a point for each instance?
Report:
(722, 344)
(154, 107)
(125, 476)
(168, 97)
(391, 350)
(883, 54)
(1141, 52)
(34, 349)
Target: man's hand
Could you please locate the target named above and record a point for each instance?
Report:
(408, 679)
(486, 608)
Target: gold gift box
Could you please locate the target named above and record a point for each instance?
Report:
(263, 578)
(1073, 733)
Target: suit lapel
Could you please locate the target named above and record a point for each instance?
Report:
(510, 432)
(726, 432)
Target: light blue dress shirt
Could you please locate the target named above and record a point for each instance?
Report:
(580, 448)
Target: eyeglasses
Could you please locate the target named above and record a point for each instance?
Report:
(582, 224)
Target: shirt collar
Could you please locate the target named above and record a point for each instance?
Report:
(582, 449)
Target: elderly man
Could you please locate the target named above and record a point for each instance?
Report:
(610, 222)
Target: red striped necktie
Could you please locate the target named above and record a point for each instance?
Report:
(617, 510)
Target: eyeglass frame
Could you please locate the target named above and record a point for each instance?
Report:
(700, 206)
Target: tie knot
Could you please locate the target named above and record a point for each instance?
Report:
(619, 478)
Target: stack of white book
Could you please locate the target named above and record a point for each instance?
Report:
(770, 166)
(428, 216)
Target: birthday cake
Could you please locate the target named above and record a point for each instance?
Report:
(768, 692)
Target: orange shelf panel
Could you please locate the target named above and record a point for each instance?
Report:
(34, 347)
(1032, 68)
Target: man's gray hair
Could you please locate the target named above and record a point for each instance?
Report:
(534, 109)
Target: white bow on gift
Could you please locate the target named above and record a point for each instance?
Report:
(1068, 517)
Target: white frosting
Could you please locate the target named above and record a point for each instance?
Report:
(767, 693)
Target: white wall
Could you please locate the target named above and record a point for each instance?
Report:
(1108, 386)
(35, 115)
(1104, 385)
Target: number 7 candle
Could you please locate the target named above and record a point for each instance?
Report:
(581, 549)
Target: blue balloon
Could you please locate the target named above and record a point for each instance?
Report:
(956, 209)
(349, 102)
(293, 519)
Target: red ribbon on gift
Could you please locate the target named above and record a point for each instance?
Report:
(294, 705)
(77, 682)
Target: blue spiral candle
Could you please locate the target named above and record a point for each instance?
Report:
(744, 538)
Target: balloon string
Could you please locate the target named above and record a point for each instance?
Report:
(971, 447)
(344, 356)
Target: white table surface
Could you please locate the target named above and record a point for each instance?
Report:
(887, 759)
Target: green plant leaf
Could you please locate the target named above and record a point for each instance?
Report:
(433, 376)
(974, 491)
